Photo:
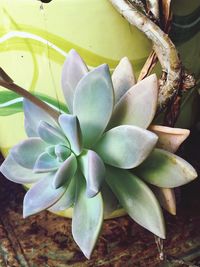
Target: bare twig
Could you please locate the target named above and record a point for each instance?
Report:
(7, 82)
(166, 14)
(139, 4)
(163, 46)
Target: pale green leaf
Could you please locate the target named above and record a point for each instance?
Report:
(62, 152)
(41, 196)
(126, 146)
(87, 219)
(123, 78)
(93, 103)
(73, 70)
(110, 201)
(65, 172)
(26, 152)
(51, 135)
(33, 115)
(18, 174)
(67, 200)
(71, 127)
(93, 170)
(137, 199)
(165, 169)
(45, 163)
(138, 104)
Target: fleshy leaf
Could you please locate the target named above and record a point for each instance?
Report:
(110, 201)
(33, 115)
(71, 127)
(50, 134)
(67, 200)
(26, 152)
(93, 170)
(165, 169)
(167, 199)
(18, 174)
(51, 151)
(45, 163)
(93, 103)
(123, 78)
(137, 199)
(73, 70)
(87, 219)
(169, 138)
(41, 196)
(65, 172)
(62, 152)
(126, 146)
(138, 104)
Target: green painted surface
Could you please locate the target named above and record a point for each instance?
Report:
(35, 39)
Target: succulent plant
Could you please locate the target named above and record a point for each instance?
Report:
(101, 155)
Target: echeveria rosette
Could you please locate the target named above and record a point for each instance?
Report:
(97, 157)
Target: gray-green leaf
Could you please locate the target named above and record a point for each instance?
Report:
(93, 170)
(126, 146)
(93, 103)
(138, 104)
(87, 219)
(165, 169)
(137, 199)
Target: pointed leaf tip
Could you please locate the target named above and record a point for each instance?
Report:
(41, 196)
(50, 134)
(33, 115)
(126, 146)
(138, 105)
(93, 103)
(123, 78)
(45, 163)
(27, 151)
(137, 199)
(87, 219)
(73, 70)
(16, 173)
(164, 169)
(65, 172)
(93, 170)
(71, 127)
(67, 200)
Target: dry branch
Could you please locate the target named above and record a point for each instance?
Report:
(7, 82)
(163, 46)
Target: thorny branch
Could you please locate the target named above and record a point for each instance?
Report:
(163, 46)
(7, 82)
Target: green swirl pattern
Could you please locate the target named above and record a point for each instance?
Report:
(34, 42)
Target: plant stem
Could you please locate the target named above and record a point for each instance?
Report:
(163, 46)
(7, 82)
